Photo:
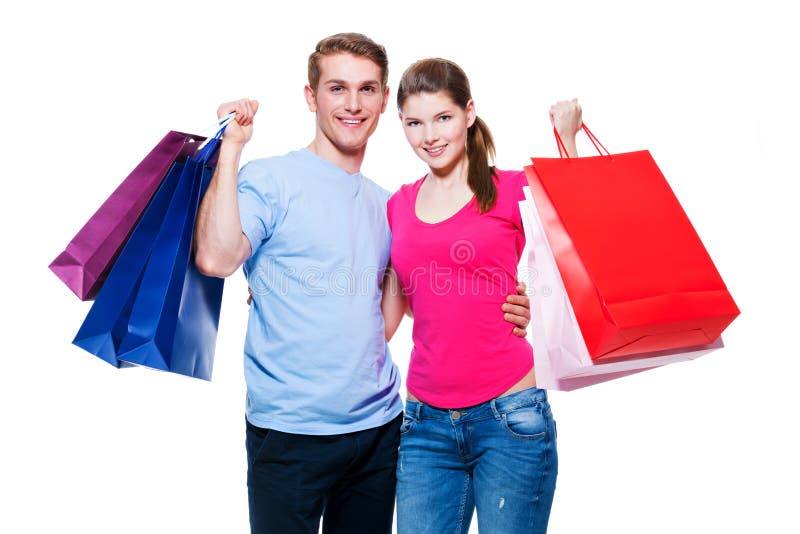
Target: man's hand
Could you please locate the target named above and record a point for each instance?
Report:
(239, 130)
(517, 310)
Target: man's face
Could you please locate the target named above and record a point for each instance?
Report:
(348, 101)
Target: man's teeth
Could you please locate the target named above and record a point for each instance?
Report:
(352, 121)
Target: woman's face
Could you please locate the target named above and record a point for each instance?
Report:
(436, 128)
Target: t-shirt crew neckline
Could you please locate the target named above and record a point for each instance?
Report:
(314, 155)
(453, 217)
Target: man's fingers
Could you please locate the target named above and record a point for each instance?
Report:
(517, 319)
(244, 108)
(519, 300)
(517, 309)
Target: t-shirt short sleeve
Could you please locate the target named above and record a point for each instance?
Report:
(258, 203)
(510, 190)
(519, 195)
(390, 208)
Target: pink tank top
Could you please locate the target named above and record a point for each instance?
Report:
(456, 274)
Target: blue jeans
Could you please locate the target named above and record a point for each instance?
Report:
(498, 457)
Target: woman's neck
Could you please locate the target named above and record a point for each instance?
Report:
(455, 175)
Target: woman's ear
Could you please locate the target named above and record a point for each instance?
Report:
(471, 113)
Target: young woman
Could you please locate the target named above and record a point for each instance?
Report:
(477, 433)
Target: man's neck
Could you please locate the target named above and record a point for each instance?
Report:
(350, 162)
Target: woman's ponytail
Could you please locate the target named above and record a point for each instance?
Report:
(480, 151)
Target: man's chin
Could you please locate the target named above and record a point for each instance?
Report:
(352, 150)
(352, 145)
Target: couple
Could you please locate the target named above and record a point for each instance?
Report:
(325, 256)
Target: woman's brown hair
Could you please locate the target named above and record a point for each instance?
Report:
(434, 75)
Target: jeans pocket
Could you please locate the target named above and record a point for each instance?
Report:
(525, 423)
(407, 425)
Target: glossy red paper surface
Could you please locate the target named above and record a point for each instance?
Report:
(637, 275)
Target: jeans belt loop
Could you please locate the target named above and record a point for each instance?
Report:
(417, 411)
(493, 404)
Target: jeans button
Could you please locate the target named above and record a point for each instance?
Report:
(456, 414)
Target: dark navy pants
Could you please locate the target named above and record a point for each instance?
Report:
(347, 479)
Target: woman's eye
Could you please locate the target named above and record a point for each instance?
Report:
(412, 123)
(444, 118)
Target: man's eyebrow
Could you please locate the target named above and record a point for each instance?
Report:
(345, 82)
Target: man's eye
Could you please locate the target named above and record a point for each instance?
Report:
(368, 89)
(337, 89)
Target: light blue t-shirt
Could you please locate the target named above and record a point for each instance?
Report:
(316, 358)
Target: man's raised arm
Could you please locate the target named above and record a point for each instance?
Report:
(220, 245)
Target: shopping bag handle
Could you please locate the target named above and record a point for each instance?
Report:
(562, 150)
(207, 147)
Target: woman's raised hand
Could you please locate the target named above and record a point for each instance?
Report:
(566, 116)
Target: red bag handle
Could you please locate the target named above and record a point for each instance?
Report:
(562, 150)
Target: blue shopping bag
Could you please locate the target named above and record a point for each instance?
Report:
(175, 314)
(107, 321)
(179, 324)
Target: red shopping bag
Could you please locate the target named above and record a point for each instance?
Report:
(637, 275)
(559, 350)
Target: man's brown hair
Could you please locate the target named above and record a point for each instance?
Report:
(348, 43)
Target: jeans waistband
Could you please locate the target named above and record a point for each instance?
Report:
(493, 408)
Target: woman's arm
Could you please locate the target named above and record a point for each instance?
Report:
(393, 304)
(567, 118)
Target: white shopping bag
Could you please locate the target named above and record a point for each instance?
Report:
(560, 354)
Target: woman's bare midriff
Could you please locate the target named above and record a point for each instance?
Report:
(526, 382)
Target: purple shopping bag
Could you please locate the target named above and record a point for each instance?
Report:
(85, 263)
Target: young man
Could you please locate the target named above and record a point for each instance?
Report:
(323, 410)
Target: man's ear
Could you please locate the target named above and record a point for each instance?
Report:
(385, 98)
(311, 98)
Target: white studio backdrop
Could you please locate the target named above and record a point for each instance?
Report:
(708, 87)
